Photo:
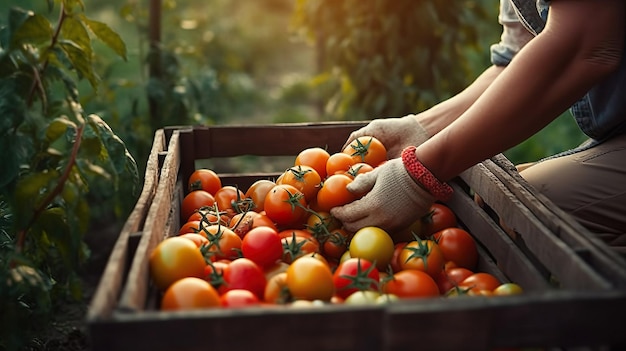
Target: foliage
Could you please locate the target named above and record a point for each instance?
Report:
(54, 154)
(393, 57)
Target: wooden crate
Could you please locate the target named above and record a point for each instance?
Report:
(575, 285)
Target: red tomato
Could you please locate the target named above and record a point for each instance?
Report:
(367, 149)
(308, 278)
(263, 246)
(449, 278)
(304, 178)
(334, 192)
(423, 255)
(175, 258)
(480, 281)
(336, 243)
(411, 283)
(204, 179)
(189, 293)
(257, 192)
(314, 157)
(194, 201)
(230, 200)
(458, 246)
(237, 298)
(285, 205)
(339, 163)
(355, 274)
(243, 273)
(439, 217)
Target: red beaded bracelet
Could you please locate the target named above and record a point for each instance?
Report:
(441, 191)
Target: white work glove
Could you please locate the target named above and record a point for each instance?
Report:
(395, 133)
(393, 200)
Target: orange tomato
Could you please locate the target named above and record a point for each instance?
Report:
(339, 163)
(367, 149)
(314, 157)
(334, 192)
(204, 179)
(190, 293)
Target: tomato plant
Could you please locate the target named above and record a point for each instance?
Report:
(458, 246)
(310, 279)
(373, 244)
(355, 274)
(204, 179)
(175, 258)
(190, 293)
(367, 149)
(285, 205)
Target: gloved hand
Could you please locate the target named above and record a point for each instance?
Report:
(393, 200)
(395, 133)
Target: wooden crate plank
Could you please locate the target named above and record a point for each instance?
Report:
(545, 246)
(133, 296)
(108, 289)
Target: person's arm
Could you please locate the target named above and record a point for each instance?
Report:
(580, 45)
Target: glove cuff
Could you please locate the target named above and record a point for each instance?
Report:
(440, 190)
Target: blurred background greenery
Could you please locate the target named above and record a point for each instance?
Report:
(271, 61)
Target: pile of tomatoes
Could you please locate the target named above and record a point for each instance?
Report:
(277, 243)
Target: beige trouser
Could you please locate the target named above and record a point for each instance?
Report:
(590, 185)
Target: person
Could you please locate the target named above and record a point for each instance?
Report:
(552, 56)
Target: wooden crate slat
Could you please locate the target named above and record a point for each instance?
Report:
(133, 296)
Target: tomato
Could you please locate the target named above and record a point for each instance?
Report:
(197, 239)
(314, 157)
(339, 163)
(230, 200)
(189, 293)
(458, 246)
(310, 279)
(194, 201)
(213, 272)
(298, 244)
(257, 192)
(190, 227)
(208, 215)
(321, 223)
(410, 283)
(507, 289)
(336, 243)
(223, 242)
(449, 278)
(285, 205)
(242, 223)
(243, 273)
(237, 298)
(361, 298)
(204, 179)
(276, 290)
(334, 192)
(355, 274)
(263, 246)
(395, 259)
(373, 244)
(480, 281)
(304, 178)
(423, 255)
(359, 168)
(439, 217)
(367, 149)
(175, 258)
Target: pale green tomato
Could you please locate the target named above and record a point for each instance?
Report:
(364, 297)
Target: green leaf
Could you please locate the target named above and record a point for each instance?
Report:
(35, 30)
(80, 61)
(107, 36)
(58, 127)
(29, 193)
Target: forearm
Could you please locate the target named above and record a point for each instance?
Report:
(441, 115)
(554, 70)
